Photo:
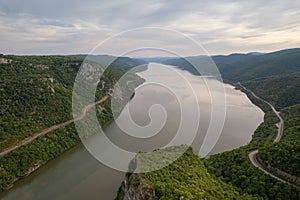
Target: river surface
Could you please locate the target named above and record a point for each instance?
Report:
(77, 175)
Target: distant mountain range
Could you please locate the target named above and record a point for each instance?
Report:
(274, 77)
(259, 71)
(36, 92)
(241, 67)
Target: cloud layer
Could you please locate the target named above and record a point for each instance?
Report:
(73, 26)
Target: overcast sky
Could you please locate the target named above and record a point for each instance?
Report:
(77, 26)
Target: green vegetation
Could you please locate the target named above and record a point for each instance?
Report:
(22, 161)
(186, 178)
(36, 93)
(281, 91)
(243, 67)
(285, 155)
(234, 167)
(275, 78)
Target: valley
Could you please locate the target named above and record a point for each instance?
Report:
(29, 145)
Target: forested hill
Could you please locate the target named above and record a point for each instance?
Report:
(125, 63)
(186, 178)
(274, 76)
(36, 93)
(241, 67)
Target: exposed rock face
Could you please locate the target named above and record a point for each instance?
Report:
(133, 188)
(5, 61)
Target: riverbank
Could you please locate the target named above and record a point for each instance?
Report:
(26, 141)
(259, 163)
(235, 166)
(30, 155)
(70, 167)
(33, 169)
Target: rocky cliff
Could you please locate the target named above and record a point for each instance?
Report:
(186, 178)
(134, 188)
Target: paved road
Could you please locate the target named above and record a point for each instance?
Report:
(281, 122)
(52, 128)
(252, 155)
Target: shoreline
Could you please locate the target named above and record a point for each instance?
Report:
(33, 169)
(77, 144)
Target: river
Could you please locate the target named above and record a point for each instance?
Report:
(77, 175)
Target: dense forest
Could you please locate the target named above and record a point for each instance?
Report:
(275, 78)
(281, 91)
(234, 167)
(36, 93)
(285, 155)
(186, 178)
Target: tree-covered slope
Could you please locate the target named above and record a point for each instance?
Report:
(36, 92)
(186, 178)
(126, 63)
(285, 155)
(234, 166)
(281, 91)
(241, 67)
(274, 77)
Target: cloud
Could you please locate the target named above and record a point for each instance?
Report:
(73, 26)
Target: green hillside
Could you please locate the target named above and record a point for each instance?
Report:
(274, 77)
(285, 155)
(281, 91)
(234, 167)
(241, 67)
(36, 93)
(186, 178)
(257, 70)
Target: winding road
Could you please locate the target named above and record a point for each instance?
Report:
(281, 122)
(52, 128)
(252, 155)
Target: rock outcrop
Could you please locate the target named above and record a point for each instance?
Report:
(133, 188)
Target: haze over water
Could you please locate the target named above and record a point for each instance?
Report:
(77, 175)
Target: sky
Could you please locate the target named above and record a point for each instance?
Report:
(77, 26)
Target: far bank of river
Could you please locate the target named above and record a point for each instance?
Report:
(77, 175)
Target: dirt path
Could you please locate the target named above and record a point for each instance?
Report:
(52, 128)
